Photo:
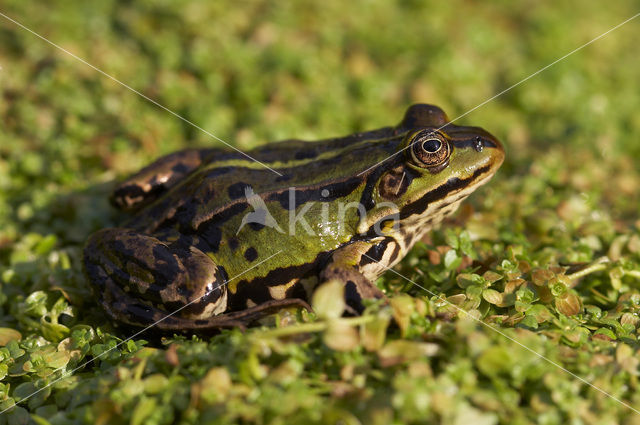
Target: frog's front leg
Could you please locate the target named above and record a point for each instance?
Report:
(155, 179)
(139, 278)
(358, 265)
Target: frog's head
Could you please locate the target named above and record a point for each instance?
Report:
(437, 165)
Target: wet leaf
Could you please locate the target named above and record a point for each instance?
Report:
(568, 304)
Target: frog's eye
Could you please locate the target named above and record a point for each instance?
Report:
(429, 149)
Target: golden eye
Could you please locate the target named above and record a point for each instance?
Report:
(429, 149)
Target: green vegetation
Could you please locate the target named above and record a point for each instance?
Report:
(548, 253)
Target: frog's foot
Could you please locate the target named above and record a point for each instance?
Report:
(356, 289)
(349, 265)
(152, 277)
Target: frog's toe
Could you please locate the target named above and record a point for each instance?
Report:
(172, 277)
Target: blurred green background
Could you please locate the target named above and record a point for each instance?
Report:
(251, 72)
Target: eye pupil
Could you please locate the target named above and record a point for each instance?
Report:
(431, 145)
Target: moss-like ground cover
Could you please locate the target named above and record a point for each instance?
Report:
(548, 253)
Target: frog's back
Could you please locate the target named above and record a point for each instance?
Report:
(219, 188)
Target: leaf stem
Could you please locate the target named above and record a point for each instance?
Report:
(314, 327)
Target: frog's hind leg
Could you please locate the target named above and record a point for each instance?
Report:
(155, 179)
(138, 277)
(162, 322)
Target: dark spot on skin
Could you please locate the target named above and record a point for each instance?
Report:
(276, 277)
(367, 194)
(284, 178)
(174, 306)
(237, 190)
(256, 226)
(296, 291)
(454, 183)
(374, 253)
(205, 192)
(233, 243)
(202, 245)
(251, 254)
(396, 182)
(186, 212)
(216, 172)
(183, 242)
(211, 234)
(128, 196)
(394, 254)
(303, 195)
(180, 168)
(306, 154)
(408, 239)
(223, 216)
(136, 311)
(352, 297)
(253, 291)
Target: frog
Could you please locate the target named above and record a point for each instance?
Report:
(222, 238)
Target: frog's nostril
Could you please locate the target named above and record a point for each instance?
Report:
(479, 144)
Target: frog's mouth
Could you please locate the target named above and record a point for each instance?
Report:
(453, 190)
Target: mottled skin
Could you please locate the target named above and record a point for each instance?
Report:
(188, 248)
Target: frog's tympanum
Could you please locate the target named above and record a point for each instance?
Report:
(218, 240)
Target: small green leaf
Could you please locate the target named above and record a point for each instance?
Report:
(451, 260)
(529, 322)
(606, 333)
(328, 300)
(145, 408)
(568, 304)
(492, 296)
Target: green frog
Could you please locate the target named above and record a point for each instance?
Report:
(221, 238)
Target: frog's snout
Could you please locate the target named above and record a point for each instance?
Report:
(488, 144)
(496, 150)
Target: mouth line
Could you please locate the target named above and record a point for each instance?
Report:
(451, 187)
